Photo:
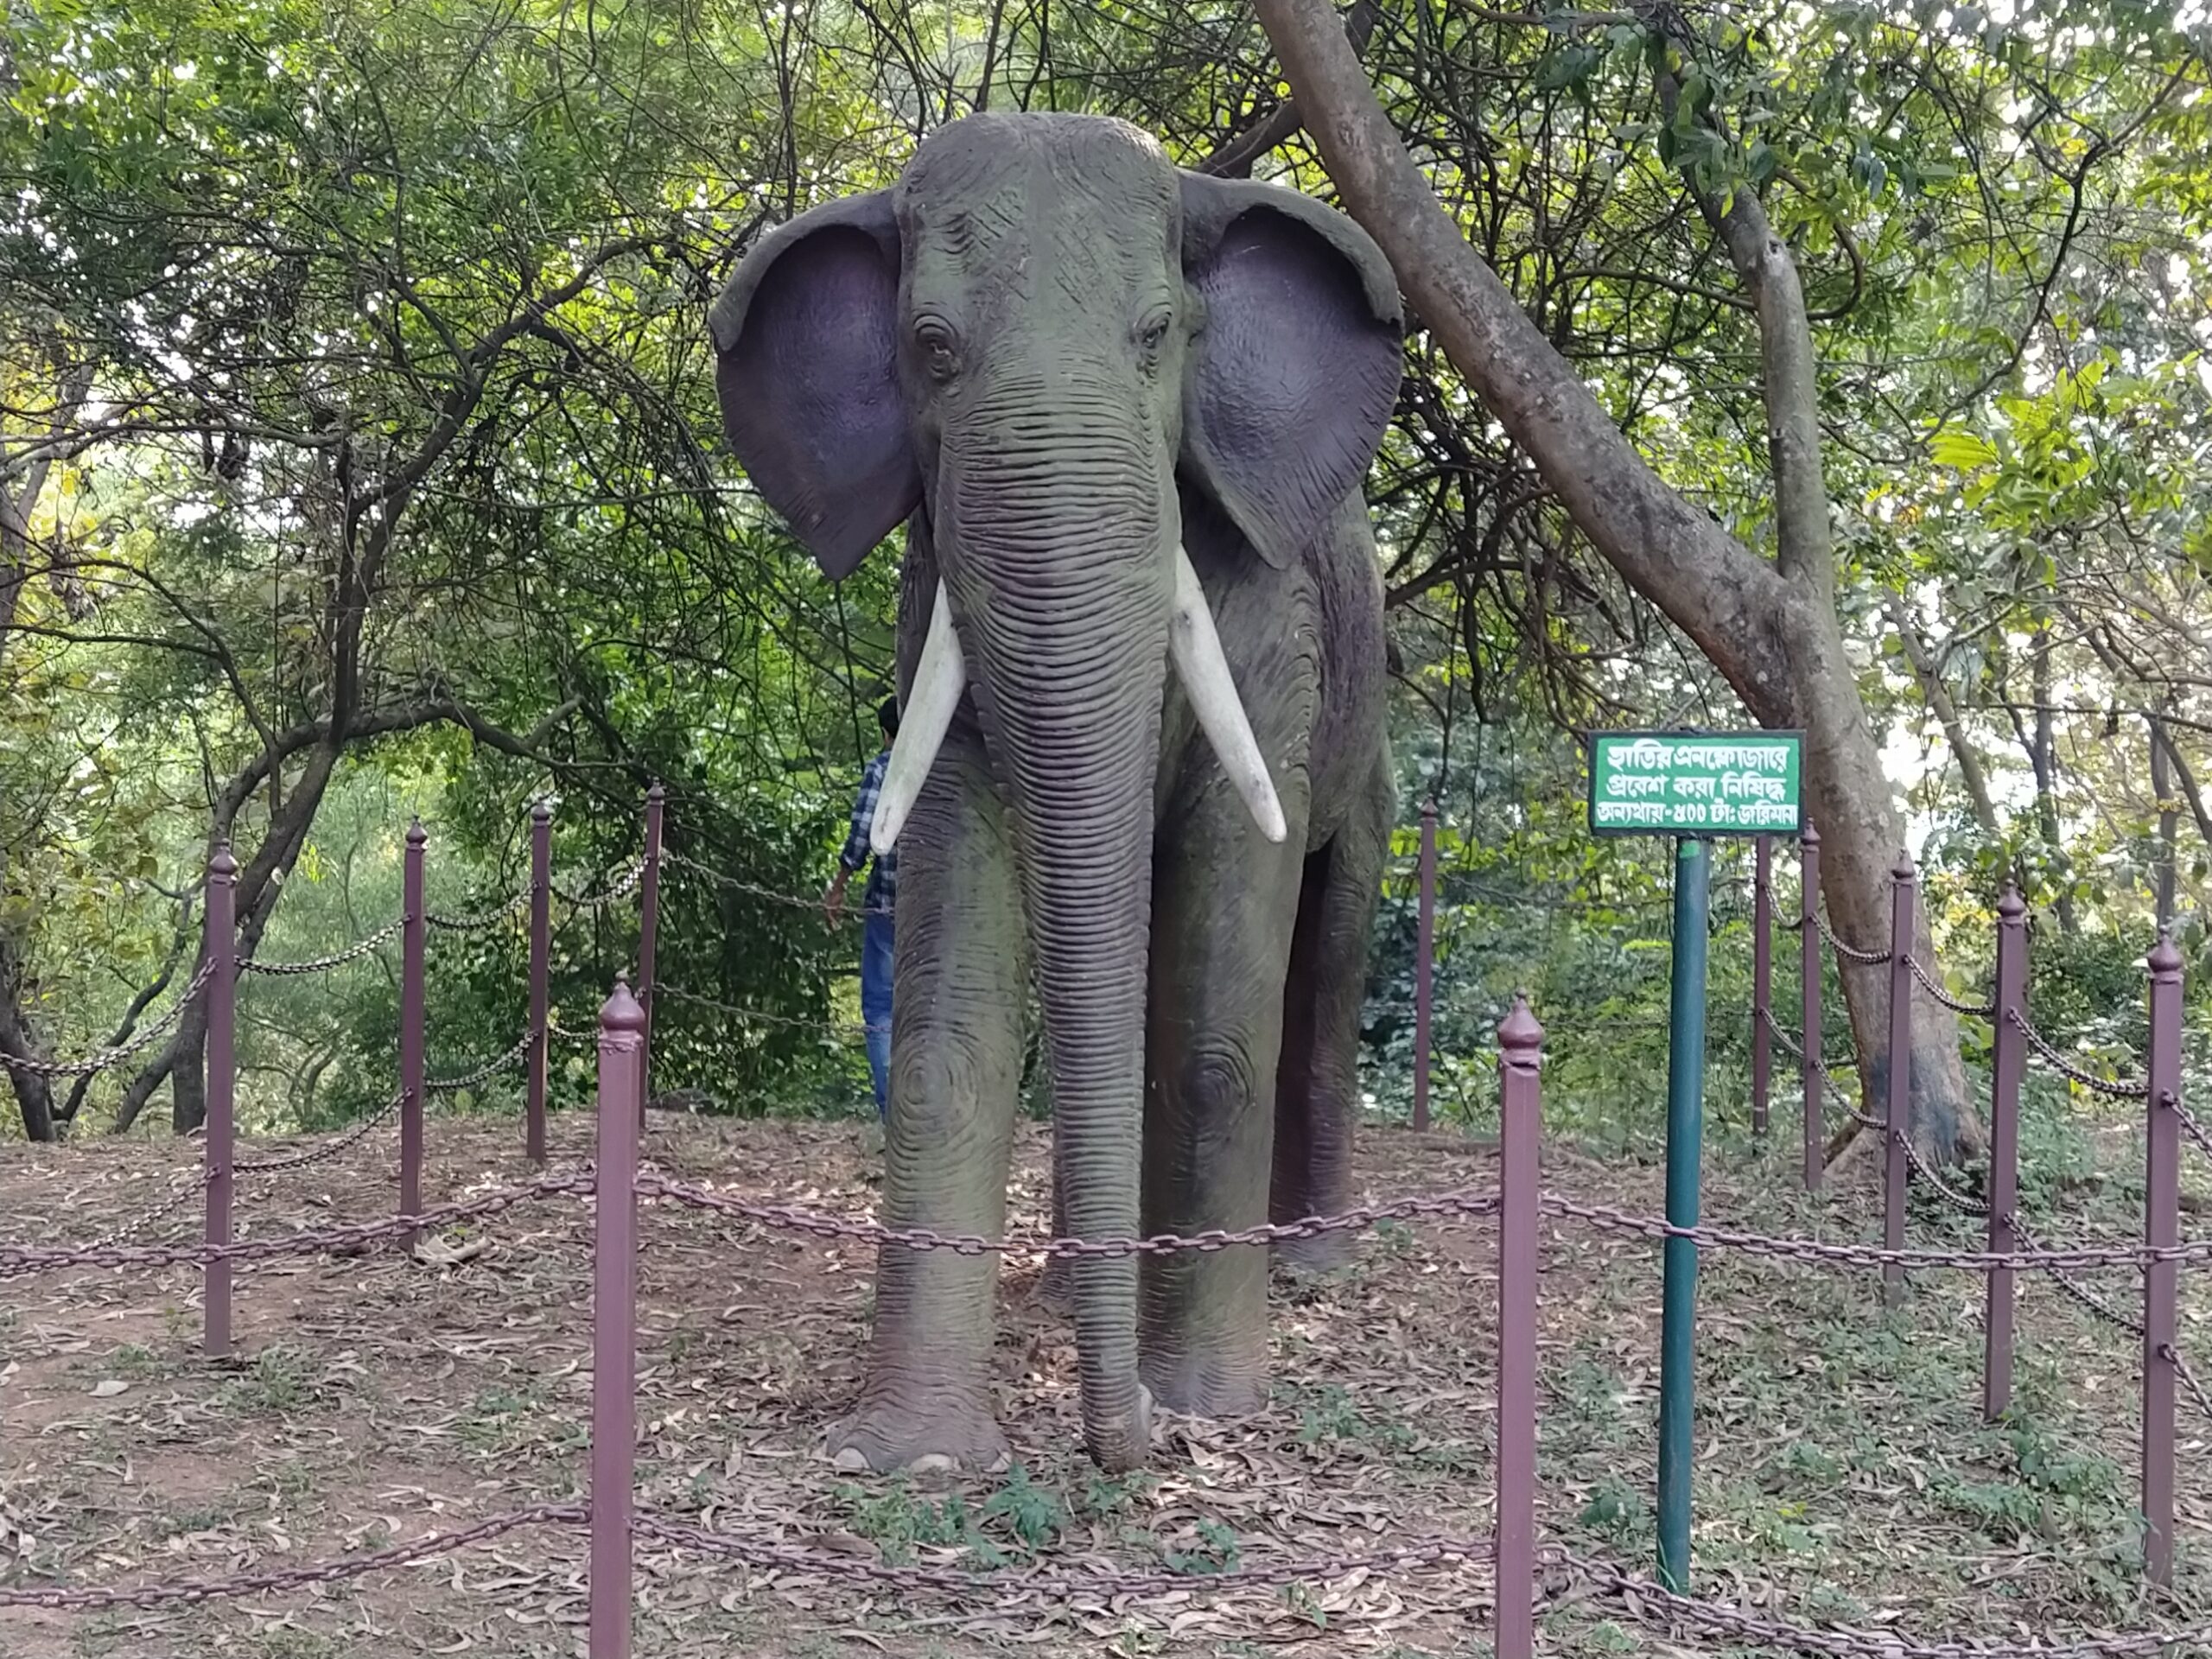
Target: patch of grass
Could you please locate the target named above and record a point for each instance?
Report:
(132, 1359)
(1108, 1495)
(278, 1379)
(192, 1518)
(1617, 1512)
(1033, 1514)
(1335, 1417)
(496, 1418)
(1216, 1551)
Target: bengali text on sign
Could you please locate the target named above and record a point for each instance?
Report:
(1695, 783)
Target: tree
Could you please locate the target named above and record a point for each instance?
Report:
(1768, 629)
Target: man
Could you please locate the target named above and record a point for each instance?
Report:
(876, 900)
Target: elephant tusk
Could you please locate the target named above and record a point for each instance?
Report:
(1196, 649)
(939, 679)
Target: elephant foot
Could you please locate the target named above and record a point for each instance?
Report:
(1310, 1258)
(890, 1440)
(1192, 1387)
(1056, 1288)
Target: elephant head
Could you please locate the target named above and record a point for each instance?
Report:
(1025, 342)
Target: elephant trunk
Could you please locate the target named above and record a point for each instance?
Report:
(1063, 606)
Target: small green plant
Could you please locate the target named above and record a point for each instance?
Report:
(1216, 1551)
(197, 1517)
(1031, 1512)
(132, 1359)
(1616, 1511)
(1111, 1495)
(277, 1379)
(897, 1519)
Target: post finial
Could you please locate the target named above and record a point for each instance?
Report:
(1518, 1033)
(620, 1011)
(540, 809)
(223, 866)
(1903, 869)
(416, 835)
(1809, 836)
(657, 793)
(2011, 907)
(2165, 956)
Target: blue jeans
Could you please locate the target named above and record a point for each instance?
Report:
(875, 1002)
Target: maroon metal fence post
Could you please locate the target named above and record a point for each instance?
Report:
(2161, 1229)
(1896, 1103)
(414, 934)
(614, 1322)
(1808, 1017)
(541, 958)
(2009, 1063)
(1520, 1045)
(1762, 977)
(220, 953)
(648, 931)
(1425, 964)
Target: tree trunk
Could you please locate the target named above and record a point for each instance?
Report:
(34, 1093)
(1773, 635)
(1929, 674)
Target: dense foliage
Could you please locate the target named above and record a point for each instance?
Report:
(359, 459)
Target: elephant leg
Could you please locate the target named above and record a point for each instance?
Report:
(1316, 1086)
(956, 1069)
(1057, 1289)
(1224, 905)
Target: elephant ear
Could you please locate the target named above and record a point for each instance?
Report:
(805, 340)
(1296, 368)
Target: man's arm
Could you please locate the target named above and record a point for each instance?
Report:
(855, 851)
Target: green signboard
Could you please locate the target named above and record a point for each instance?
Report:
(1696, 782)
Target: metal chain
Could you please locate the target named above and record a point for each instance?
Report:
(483, 919)
(1870, 1256)
(15, 1263)
(353, 952)
(839, 1026)
(1964, 1203)
(620, 887)
(1789, 1040)
(329, 1150)
(792, 1218)
(754, 889)
(2060, 1064)
(2190, 1127)
(178, 1198)
(2097, 1306)
(1849, 953)
(193, 1591)
(1657, 1607)
(1425, 1551)
(492, 1067)
(101, 1059)
(1823, 1069)
(1975, 1010)
(2188, 1375)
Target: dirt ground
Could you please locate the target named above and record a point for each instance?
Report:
(1844, 1475)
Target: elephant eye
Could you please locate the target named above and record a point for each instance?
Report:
(937, 347)
(1153, 329)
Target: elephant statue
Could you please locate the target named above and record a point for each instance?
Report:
(1123, 412)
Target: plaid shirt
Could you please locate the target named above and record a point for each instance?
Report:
(883, 879)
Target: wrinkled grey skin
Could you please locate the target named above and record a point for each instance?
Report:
(1052, 354)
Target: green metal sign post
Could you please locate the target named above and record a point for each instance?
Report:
(1692, 786)
(1685, 1157)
